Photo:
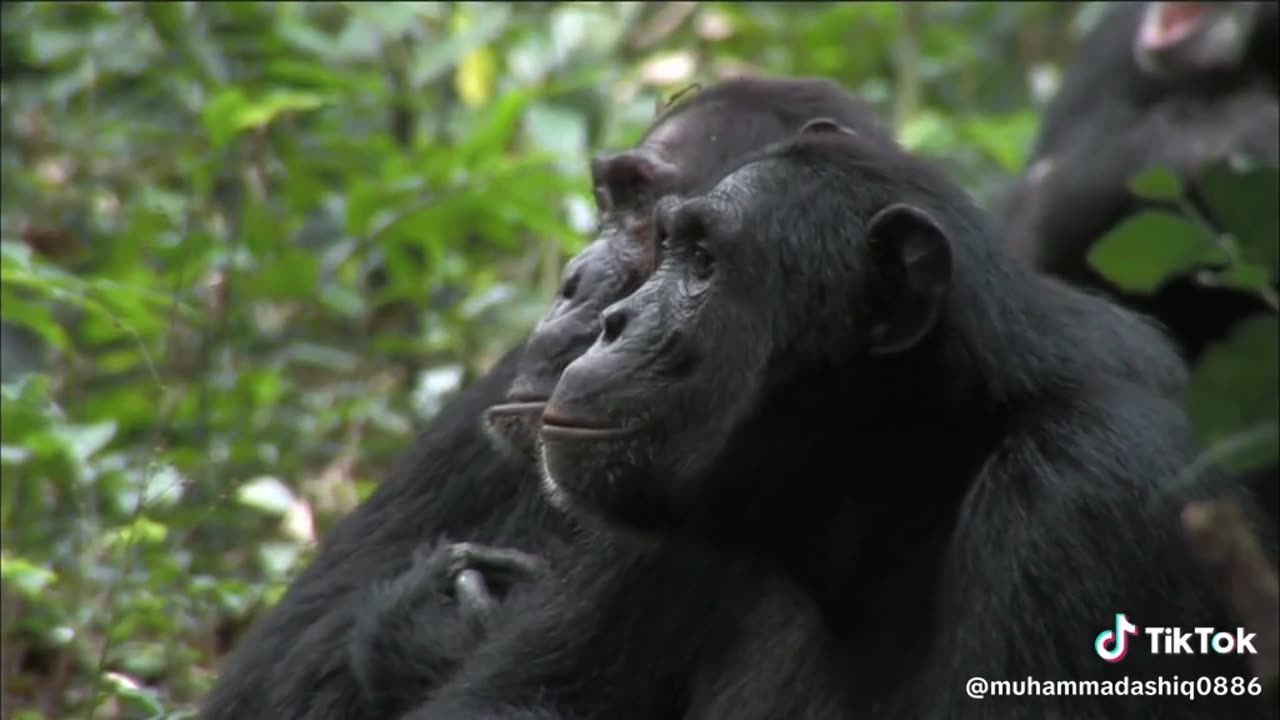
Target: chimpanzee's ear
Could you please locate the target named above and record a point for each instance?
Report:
(825, 125)
(909, 246)
(661, 105)
(628, 177)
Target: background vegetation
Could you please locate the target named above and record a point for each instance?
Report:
(250, 248)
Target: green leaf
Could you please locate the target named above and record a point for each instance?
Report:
(132, 694)
(1004, 138)
(1151, 247)
(492, 135)
(1235, 389)
(1243, 202)
(1247, 276)
(232, 112)
(36, 316)
(141, 531)
(30, 579)
(1157, 183)
(561, 132)
(294, 274)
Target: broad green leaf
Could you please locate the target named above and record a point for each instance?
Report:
(926, 130)
(491, 136)
(1235, 389)
(232, 112)
(292, 275)
(1157, 183)
(1149, 248)
(1245, 201)
(1003, 138)
(30, 579)
(131, 694)
(1247, 276)
(560, 131)
(37, 316)
(142, 531)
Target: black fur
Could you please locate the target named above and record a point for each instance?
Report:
(294, 662)
(836, 373)
(1112, 119)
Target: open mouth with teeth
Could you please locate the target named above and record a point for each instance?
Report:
(1166, 23)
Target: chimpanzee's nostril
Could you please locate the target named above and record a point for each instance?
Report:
(570, 286)
(614, 322)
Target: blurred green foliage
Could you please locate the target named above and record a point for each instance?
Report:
(249, 248)
(1234, 397)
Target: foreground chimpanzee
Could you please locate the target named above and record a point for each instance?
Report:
(397, 645)
(836, 371)
(379, 581)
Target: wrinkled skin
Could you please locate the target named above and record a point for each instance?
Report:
(689, 147)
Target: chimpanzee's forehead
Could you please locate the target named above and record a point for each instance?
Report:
(754, 181)
(684, 130)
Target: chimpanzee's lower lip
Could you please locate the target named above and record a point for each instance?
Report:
(552, 431)
(557, 425)
(519, 408)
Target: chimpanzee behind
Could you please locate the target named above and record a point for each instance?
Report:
(1178, 84)
(1184, 85)
(835, 370)
(382, 585)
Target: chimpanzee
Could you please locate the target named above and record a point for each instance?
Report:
(382, 578)
(836, 370)
(1178, 84)
(397, 646)
(1183, 85)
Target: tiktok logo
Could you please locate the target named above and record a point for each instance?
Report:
(1111, 645)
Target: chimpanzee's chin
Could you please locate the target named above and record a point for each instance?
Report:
(598, 472)
(514, 427)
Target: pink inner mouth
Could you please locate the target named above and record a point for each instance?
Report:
(1168, 22)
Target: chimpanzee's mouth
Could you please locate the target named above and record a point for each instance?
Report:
(556, 425)
(527, 407)
(1166, 23)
